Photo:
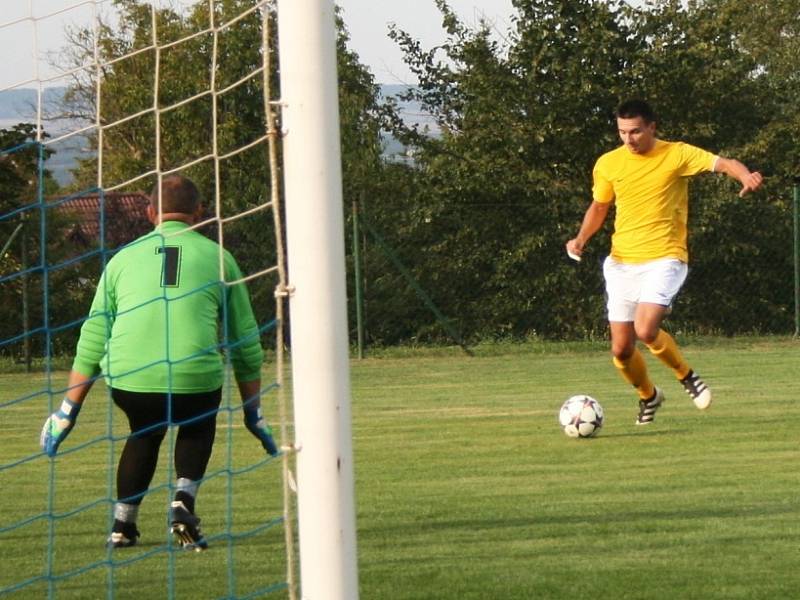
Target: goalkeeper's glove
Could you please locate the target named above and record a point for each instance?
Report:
(58, 426)
(254, 421)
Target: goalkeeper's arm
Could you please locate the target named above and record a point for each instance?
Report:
(60, 423)
(253, 418)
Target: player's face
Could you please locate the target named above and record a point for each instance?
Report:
(638, 135)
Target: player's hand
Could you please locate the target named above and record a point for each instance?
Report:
(750, 183)
(574, 249)
(58, 425)
(255, 423)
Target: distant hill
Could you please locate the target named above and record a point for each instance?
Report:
(412, 111)
(21, 103)
(20, 106)
(412, 114)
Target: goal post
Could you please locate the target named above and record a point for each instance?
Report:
(317, 299)
(150, 88)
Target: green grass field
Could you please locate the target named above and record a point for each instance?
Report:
(467, 489)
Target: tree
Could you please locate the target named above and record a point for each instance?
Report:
(506, 172)
(732, 71)
(24, 215)
(504, 180)
(187, 132)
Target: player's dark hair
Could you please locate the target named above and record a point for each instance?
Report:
(631, 109)
(178, 195)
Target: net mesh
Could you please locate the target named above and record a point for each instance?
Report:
(135, 91)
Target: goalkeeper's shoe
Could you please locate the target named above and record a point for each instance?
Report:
(123, 535)
(186, 527)
(648, 407)
(697, 390)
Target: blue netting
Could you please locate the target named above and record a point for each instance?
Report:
(55, 514)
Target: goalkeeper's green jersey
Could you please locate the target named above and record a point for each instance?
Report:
(162, 312)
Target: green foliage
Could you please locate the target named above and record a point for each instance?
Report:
(32, 236)
(505, 179)
(193, 125)
(22, 178)
(481, 211)
(359, 114)
(502, 182)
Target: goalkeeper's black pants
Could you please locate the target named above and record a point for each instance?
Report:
(149, 416)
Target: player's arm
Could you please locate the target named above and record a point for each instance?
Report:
(246, 357)
(85, 368)
(244, 336)
(250, 391)
(78, 386)
(253, 416)
(750, 181)
(58, 425)
(592, 221)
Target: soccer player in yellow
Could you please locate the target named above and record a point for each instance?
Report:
(647, 179)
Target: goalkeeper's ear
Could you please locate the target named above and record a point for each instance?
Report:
(152, 215)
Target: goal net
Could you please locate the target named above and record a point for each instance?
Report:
(115, 96)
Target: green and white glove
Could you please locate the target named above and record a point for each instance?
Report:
(255, 423)
(58, 426)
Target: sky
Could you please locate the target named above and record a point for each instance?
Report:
(367, 21)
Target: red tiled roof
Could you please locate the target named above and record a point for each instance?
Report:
(122, 215)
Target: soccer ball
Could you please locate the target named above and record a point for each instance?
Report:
(581, 416)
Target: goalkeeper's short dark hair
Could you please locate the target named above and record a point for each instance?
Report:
(630, 109)
(178, 195)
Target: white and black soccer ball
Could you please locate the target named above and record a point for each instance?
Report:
(581, 416)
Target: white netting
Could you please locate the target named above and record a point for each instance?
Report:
(116, 96)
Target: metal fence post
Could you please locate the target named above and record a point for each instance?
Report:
(797, 256)
(358, 281)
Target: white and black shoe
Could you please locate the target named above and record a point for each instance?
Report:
(186, 527)
(123, 535)
(697, 389)
(648, 408)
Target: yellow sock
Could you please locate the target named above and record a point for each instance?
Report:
(665, 349)
(634, 371)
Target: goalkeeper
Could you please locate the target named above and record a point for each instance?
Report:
(153, 332)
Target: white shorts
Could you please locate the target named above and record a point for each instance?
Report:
(656, 282)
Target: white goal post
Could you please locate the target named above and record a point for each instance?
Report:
(116, 54)
(318, 299)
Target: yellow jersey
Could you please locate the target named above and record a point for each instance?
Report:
(651, 192)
